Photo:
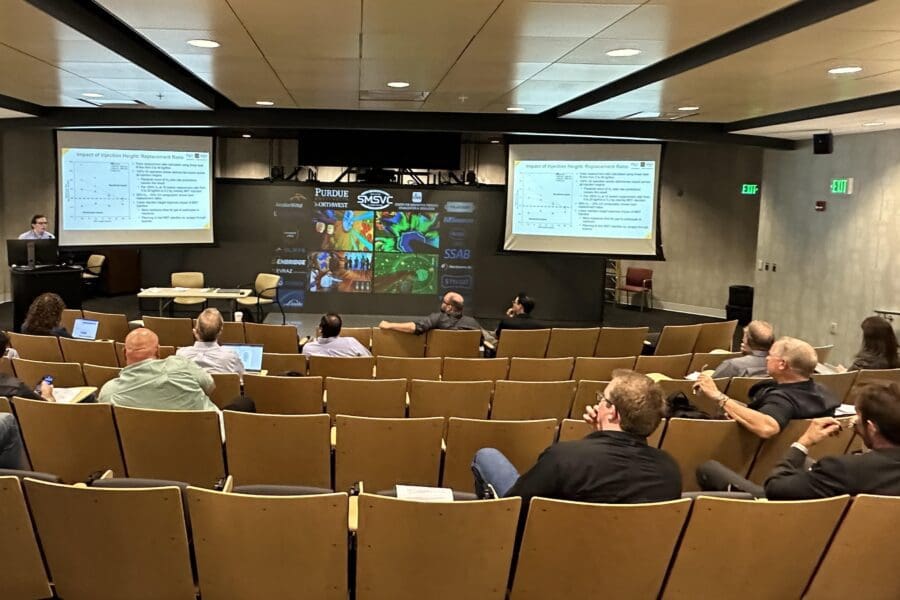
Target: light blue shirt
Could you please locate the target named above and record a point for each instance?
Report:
(31, 235)
(336, 346)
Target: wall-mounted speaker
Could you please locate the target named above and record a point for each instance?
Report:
(823, 143)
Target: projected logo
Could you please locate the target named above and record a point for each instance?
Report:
(374, 199)
(456, 282)
(457, 254)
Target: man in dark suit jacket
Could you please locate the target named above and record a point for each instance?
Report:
(873, 472)
(799, 478)
(518, 316)
(612, 464)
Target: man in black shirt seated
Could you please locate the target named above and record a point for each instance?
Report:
(450, 317)
(518, 316)
(797, 477)
(612, 464)
(792, 395)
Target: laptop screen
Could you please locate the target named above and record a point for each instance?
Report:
(85, 329)
(251, 355)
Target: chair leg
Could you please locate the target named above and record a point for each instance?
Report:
(283, 318)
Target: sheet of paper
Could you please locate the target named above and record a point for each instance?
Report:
(845, 409)
(72, 394)
(424, 494)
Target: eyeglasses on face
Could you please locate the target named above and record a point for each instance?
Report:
(602, 396)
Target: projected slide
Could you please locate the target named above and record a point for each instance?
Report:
(135, 189)
(407, 232)
(406, 273)
(583, 198)
(122, 189)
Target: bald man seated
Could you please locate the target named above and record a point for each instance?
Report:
(206, 351)
(450, 317)
(173, 383)
(758, 339)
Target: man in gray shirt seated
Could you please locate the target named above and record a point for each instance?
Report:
(329, 342)
(450, 317)
(758, 339)
(206, 351)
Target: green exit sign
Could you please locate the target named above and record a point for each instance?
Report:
(750, 189)
(842, 186)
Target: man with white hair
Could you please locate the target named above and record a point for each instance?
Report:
(206, 351)
(791, 395)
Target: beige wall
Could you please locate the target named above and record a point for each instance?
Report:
(708, 227)
(838, 265)
(27, 186)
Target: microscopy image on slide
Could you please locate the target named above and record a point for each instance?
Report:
(407, 232)
(342, 230)
(406, 273)
(336, 271)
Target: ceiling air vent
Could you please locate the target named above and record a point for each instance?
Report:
(393, 95)
(114, 103)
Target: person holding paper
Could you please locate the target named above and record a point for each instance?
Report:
(613, 464)
(38, 229)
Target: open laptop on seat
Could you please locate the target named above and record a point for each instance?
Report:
(85, 329)
(251, 355)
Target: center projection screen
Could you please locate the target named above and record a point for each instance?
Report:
(583, 198)
(134, 189)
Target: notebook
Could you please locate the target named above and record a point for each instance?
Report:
(251, 355)
(85, 329)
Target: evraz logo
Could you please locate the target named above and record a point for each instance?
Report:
(374, 199)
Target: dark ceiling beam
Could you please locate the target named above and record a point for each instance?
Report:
(853, 105)
(22, 106)
(250, 119)
(103, 27)
(790, 18)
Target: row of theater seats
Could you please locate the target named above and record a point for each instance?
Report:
(169, 542)
(73, 441)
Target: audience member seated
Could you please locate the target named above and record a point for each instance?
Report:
(10, 386)
(329, 343)
(612, 464)
(206, 351)
(172, 383)
(879, 346)
(792, 394)
(799, 478)
(518, 316)
(44, 316)
(12, 454)
(450, 317)
(758, 339)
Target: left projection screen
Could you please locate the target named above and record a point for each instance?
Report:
(134, 189)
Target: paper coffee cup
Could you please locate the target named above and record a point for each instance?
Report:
(238, 316)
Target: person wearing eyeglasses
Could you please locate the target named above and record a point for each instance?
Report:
(791, 394)
(875, 471)
(38, 229)
(450, 317)
(613, 464)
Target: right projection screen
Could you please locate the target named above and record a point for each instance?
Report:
(582, 198)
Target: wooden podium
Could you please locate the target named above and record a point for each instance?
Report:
(29, 283)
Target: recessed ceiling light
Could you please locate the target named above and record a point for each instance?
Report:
(398, 84)
(514, 108)
(495, 140)
(845, 70)
(874, 124)
(92, 95)
(204, 43)
(623, 52)
(245, 135)
(688, 108)
(265, 103)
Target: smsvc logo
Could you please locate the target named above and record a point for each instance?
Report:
(375, 199)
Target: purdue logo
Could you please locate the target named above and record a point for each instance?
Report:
(374, 199)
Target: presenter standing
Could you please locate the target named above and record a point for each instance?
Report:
(38, 229)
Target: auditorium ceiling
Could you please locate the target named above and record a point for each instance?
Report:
(624, 68)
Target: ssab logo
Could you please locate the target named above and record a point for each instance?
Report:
(375, 199)
(457, 254)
